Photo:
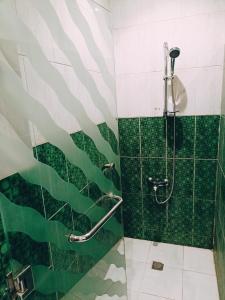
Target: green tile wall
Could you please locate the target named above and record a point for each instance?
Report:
(219, 243)
(23, 193)
(146, 151)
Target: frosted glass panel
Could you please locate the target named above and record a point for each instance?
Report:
(59, 150)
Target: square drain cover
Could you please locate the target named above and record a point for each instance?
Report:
(156, 265)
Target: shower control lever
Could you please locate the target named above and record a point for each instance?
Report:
(158, 183)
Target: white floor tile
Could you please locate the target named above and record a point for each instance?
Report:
(137, 249)
(135, 274)
(197, 286)
(150, 297)
(132, 295)
(169, 255)
(166, 283)
(199, 260)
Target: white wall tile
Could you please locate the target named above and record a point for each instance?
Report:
(104, 3)
(131, 13)
(140, 95)
(141, 28)
(193, 7)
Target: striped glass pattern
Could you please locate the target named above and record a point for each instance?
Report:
(58, 130)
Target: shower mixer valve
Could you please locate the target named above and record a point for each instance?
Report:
(158, 183)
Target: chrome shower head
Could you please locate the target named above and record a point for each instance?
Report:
(173, 53)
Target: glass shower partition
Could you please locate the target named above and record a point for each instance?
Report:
(60, 172)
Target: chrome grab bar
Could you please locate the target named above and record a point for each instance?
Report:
(95, 229)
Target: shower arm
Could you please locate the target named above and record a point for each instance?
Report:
(86, 237)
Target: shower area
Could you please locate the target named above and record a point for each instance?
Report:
(112, 168)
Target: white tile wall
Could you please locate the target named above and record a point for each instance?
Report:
(97, 14)
(140, 28)
(104, 3)
(98, 19)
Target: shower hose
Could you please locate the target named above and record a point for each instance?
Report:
(174, 151)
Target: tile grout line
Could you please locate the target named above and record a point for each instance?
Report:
(221, 223)
(176, 18)
(141, 173)
(166, 157)
(217, 175)
(169, 158)
(193, 195)
(183, 276)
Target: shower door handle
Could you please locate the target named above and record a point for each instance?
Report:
(98, 226)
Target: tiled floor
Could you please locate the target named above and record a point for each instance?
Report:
(188, 274)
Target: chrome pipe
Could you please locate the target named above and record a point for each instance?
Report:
(86, 237)
(166, 50)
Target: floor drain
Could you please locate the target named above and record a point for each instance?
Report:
(156, 265)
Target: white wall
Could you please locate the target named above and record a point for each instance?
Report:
(103, 3)
(141, 27)
(98, 17)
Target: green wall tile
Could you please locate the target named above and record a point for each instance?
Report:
(52, 156)
(155, 168)
(4, 260)
(221, 155)
(91, 150)
(21, 192)
(184, 172)
(78, 138)
(51, 204)
(132, 215)
(203, 224)
(129, 137)
(154, 217)
(221, 141)
(153, 140)
(76, 176)
(205, 179)
(130, 175)
(220, 203)
(207, 136)
(185, 134)
(27, 251)
(38, 296)
(180, 219)
(113, 141)
(219, 254)
(179, 227)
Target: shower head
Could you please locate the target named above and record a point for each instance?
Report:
(173, 53)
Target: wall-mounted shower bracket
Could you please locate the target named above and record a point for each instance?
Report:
(168, 77)
(20, 286)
